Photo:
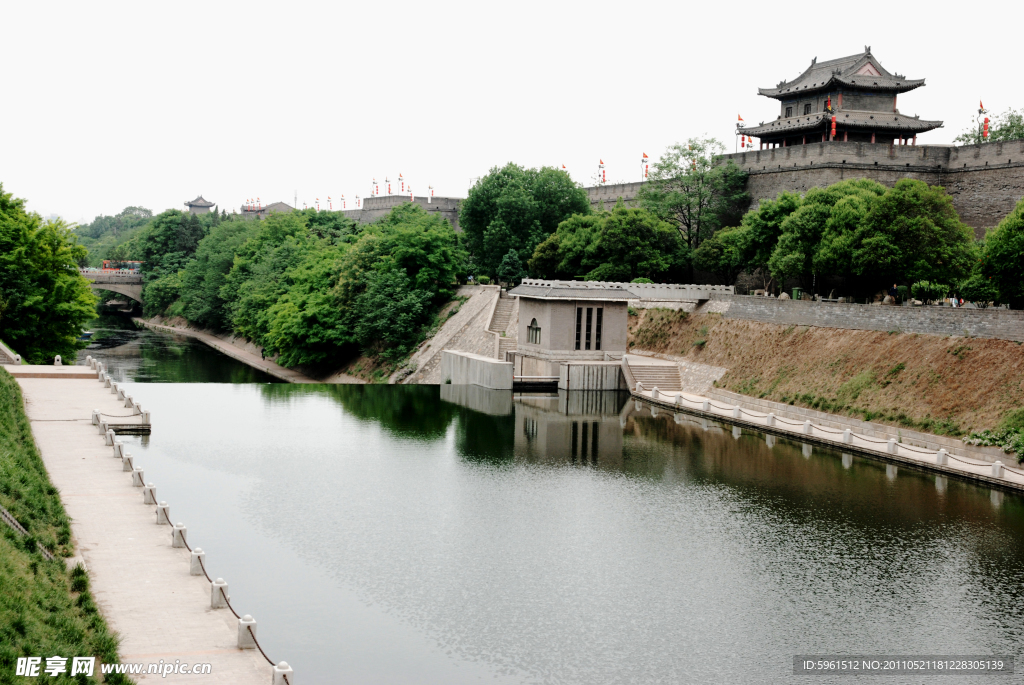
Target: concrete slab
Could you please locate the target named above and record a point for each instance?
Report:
(141, 584)
(43, 371)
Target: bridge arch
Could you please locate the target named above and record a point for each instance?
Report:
(127, 284)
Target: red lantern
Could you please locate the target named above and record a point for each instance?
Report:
(984, 132)
(833, 128)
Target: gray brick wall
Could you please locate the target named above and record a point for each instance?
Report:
(1003, 324)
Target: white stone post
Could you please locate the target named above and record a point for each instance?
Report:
(706, 406)
(118, 449)
(57, 361)
(654, 393)
(146, 417)
(163, 514)
(639, 386)
(129, 401)
(942, 457)
(195, 567)
(17, 359)
(121, 394)
(770, 420)
(113, 388)
(110, 437)
(247, 640)
(283, 674)
(997, 469)
(107, 383)
(679, 399)
(178, 535)
(127, 463)
(847, 437)
(736, 412)
(149, 494)
(218, 594)
(88, 360)
(891, 446)
(95, 417)
(807, 428)
(137, 475)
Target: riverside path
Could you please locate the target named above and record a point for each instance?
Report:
(140, 582)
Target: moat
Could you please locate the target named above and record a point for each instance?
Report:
(425, 534)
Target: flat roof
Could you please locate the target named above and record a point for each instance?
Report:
(569, 290)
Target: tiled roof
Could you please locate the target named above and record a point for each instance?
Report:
(199, 202)
(845, 119)
(569, 290)
(842, 71)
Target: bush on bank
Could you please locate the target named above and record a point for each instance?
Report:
(44, 609)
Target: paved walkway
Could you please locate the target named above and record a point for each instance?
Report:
(246, 357)
(140, 582)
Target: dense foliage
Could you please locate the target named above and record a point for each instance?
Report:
(513, 208)
(44, 301)
(311, 287)
(105, 232)
(1002, 265)
(620, 245)
(856, 235)
(691, 190)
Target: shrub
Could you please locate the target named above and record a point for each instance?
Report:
(483, 280)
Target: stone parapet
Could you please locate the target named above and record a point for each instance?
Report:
(1002, 324)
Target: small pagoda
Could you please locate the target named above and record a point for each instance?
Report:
(199, 206)
(850, 99)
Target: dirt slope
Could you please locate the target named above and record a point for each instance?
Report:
(937, 384)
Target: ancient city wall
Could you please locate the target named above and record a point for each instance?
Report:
(608, 195)
(985, 181)
(377, 207)
(1003, 324)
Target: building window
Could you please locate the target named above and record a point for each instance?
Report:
(807, 108)
(579, 325)
(590, 319)
(789, 112)
(597, 328)
(533, 333)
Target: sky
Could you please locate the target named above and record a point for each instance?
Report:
(107, 105)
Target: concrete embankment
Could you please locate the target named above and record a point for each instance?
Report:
(141, 583)
(240, 350)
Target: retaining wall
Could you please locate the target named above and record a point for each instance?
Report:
(1003, 324)
(465, 368)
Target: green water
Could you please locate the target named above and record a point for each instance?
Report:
(425, 534)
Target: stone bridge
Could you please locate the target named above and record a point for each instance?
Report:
(124, 283)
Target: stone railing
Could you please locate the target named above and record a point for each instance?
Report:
(657, 292)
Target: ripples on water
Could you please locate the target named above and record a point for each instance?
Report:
(457, 535)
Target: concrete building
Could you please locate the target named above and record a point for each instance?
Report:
(199, 206)
(568, 321)
(852, 99)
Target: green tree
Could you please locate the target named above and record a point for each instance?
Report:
(692, 190)
(1002, 263)
(1006, 126)
(44, 301)
(620, 245)
(513, 208)
(203, 278)
(511, 271)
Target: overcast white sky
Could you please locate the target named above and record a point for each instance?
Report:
(107, 105)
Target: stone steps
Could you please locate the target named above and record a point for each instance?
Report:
(663, 376)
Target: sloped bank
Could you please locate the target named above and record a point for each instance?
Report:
(937, 384)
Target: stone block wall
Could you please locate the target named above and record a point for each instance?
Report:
(1003, 324)
(376, 207)
(609, 194)
(985, 181)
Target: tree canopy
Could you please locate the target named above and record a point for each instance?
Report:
(689, 188)
(1002, 263)
(620, 245)
(44, 301)
(1006, 126)
(512, 208)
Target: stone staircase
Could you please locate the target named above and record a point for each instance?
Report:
(499, 323)
(665, 377)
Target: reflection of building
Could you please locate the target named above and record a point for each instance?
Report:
(199, 206)
(579, 427)
(855, 92)
(567, 321)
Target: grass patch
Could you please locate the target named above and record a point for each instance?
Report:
(960, 351)
(657, 327)
(45, 610)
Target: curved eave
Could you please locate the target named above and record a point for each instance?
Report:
(784, 129)
(846, 82)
